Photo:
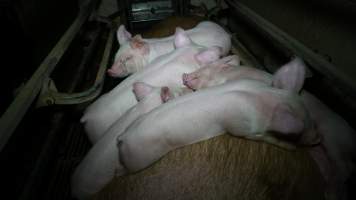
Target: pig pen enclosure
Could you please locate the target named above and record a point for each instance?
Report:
(55, 62)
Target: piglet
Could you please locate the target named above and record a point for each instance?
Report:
(136, 53)
(101, 164)
(246, 108)
(337, 150)
(166, 70)
(336, 155)
(221, 71)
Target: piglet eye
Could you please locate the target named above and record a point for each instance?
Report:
(124, 60)
(128, 58)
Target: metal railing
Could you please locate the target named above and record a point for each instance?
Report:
(293, 46)
(41, 83)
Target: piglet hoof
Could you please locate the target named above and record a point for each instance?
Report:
(166, 94)
(311, 138)
(119, 145)
(188, 81)
(185, 79)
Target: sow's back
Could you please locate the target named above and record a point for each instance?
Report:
(223, 167)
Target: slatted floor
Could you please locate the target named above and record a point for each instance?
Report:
(71, 152)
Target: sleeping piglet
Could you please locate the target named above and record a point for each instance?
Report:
(246, 108)
(223, 70)
(337, 149)
(166, 70)
(101, 163)
(136, 53)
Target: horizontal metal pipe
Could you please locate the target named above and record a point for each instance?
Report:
(245, 55)
(53, 97)
(292, 45)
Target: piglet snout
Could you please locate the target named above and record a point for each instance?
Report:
(117, 72)
(111, 73)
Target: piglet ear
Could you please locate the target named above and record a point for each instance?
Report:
(137, 42)
(285, 121)
(290, 76)
(180, 38)
(166, 94)
(123, 35)
(141, 89)
(210, 55)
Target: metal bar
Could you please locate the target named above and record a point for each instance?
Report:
(106, 55)
(245, 55)
(54, 97)
(34, 181)
(31, 187)
(316, 61)
(15, 112)
(94, 36)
